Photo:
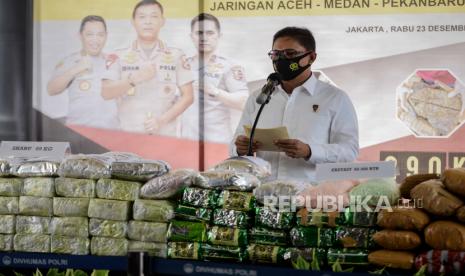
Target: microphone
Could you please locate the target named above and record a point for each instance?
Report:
(274, 79)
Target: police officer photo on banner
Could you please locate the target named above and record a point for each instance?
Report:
(224, 85)
(151, 81)
(80, 74)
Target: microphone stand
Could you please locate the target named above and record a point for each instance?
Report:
(252, 131)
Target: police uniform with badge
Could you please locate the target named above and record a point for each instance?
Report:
(154, 97)
(86, 105)
(221, 73)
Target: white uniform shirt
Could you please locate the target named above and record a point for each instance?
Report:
(154, 97)
(86, 105)
(226, 75)
(317, 114)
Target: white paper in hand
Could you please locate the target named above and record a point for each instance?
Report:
(266, 136)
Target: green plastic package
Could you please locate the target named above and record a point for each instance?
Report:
(264, 217)
(200, 197)
(375, 189)
(117, 189)
(7, 224)
(11, 186)
(231, 218)
(153, 210)
(101, 246)
(259, 253)
(310, 255)
(73, 187)
(36, 206)
(39, 243)
(266, 236)
(9, 205)
(312, 236)
(364, 219)
(183, 212)
(220, 235)
(69, 245)
(354, 237)
(147, 231)
(348, 256)
(184, 250)
(70, 226)
(70, 207)
(33, 225)
(39, 186)
(241, 201)
(6, 242)
(187, 231)
(108, 228)
(319, 219)
(223, 253)
(154, 249)
(109, 209)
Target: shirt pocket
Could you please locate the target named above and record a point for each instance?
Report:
(313, 128)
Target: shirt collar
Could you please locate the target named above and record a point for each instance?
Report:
(308, 86)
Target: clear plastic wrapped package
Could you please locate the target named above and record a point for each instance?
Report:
(226, 180)
(10, 186)
(129, 166)
(7, 224)
(154, 249)
(147, 231)
(117, 189)
(108, 246)
(36, 206)
(38, 243)
(70, 207)
(245, 164)
(9, 205)
(278, 188)
(109, 209)
(153, 210)
(32, 225)
(6, 242)
(34, 167)
(4, 167)
(108, 228)
(69, 245)
(39, 186)
(90, 166)
(168, 185)
(70, 226)
(73, 187)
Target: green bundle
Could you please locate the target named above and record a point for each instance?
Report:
(10, 186)
(147, 231)
(187, 231)
(73, 187)
(69, 245)
(39, 186)
(35, 206)
(240, 201)
(9, 205)
(348, 256)
(353, 237)
(265, 236)
(33, 225)
(107, 228)
(39, 243)
(183, 212)
(7, 224)
(219, 235)
(108, 246)
(153, 210)
(223, 253)
(184, 250)
(6, 242)
(70, 226)
(259, 253)
(264, 217)
(109, 209)
(199, 197)
(70, 207)
(117, 189)
(364, 218)
(231, 218)
(154, 249)
(312, 236)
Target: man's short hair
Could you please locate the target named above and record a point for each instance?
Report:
(146, 3)
(302, 35)
(206, 16)
(92, 18)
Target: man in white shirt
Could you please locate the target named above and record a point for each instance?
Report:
(319, 117)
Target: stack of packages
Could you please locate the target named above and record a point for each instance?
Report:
(212, 218)
(443, 200)
(26, 203)
(346, 232)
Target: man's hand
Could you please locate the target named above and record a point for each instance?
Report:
(146, 72)
(294, 148)
(242, 145)
(152, 125)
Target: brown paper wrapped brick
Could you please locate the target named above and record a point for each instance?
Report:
(454, 180)
(403, 219)
(397, 239)
(445, 235)
(393, 259)
(436, 199)
(412, 181)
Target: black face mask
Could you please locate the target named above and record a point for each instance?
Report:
(289, 68)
